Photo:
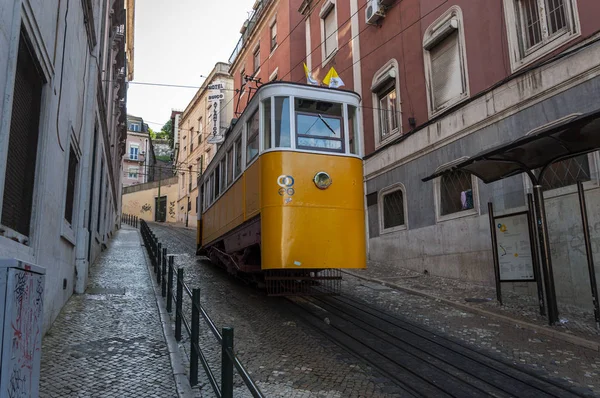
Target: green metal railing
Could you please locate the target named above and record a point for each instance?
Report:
(165, 272)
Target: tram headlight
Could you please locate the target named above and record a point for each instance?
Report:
(322, 180)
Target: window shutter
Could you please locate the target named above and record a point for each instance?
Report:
(22, 144)
(330, 28)
(446, 76)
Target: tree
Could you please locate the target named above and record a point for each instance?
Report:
(168, 128)
(152, 133)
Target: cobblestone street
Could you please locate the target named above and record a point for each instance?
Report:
(288, 358)
(109, 341)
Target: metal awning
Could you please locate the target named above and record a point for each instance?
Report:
(567, 137)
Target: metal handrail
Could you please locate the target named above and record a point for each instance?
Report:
(158, 258)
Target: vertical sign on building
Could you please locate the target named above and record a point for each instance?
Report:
(215, 96)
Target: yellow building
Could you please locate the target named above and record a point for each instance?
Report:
(193, 152)
(142, 200)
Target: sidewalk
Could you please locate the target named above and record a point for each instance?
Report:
(578, 327)
(109, 342)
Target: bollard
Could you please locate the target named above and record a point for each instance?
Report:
(157, 254)
(178, 304)
(227, 363)
(195, 338)
(164, 273)
(170, 286)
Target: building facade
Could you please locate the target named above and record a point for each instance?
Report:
(194, 128)
(440, 81)
(138, 161)
(271, 47)
(62, 136)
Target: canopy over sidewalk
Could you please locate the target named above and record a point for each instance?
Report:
(565, 138)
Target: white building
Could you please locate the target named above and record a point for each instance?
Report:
(62, 133)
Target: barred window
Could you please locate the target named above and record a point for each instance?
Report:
(566, 172)
(456, 192)
(392, 208)
(21, 158)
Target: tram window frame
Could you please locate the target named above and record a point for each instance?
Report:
(267, 116)
(217, 174)
(229, 156)
(341, 139)
(238, 150)
(282, 126)
(223, 176)
(252, 137)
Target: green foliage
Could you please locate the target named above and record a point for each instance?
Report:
(164, 158)
(152, 133)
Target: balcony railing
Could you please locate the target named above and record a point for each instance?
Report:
(250, 24)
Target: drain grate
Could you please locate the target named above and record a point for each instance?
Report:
(103, 290)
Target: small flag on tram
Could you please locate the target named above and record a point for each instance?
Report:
(309, 78)
(332, 79)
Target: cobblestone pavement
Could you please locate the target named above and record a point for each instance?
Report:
(575, 321)
(549, 356)
(283, 357)
(109, 341)
(287, 359)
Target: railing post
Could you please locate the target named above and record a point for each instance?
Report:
(178, 304)
(157, 255)
(195, 338)
(164, 273)
(227, 363)
(170, 285)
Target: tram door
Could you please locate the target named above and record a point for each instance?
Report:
(160, 209)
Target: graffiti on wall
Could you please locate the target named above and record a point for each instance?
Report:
(577, 242)
(172, 209)
(146, 208)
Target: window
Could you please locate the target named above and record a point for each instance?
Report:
(200, 130)
(566, 172)
(388, 112)
(217, 177)
(200, 165)
(238, 157)
(392, 211)
(191, 139)
(230, 166)
(456, 195)
(273, 35)
(71, 181)
(134, 150)
(136, 127)
(252, 134)
(100, 194)
(266, 106)
(133, 172)
(21, 157)
(282, 122)
(190, 180)
(445, 62)
(223, 175)
(213, 188)
(319, 125)
(256, 57)
(353, 129)
(328, 29)
(539, 26)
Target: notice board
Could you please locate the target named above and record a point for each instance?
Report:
(514, 247)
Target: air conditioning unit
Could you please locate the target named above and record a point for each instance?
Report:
(374, 12)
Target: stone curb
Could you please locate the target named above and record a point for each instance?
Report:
(579, 341)
(184, 389)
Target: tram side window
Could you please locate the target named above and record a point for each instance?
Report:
(238, 157)
(252, 142)
(353, 129)
(267, 123)
(223, 181)
(282, 122)
(319, 125)
(212, 188)
(229, 166)
(217, 180)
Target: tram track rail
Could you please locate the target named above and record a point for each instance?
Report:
(421, 362)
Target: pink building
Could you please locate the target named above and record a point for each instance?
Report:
(138, 158)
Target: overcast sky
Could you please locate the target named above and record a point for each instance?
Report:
(176, 42)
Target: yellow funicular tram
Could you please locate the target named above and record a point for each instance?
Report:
(282, 201)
